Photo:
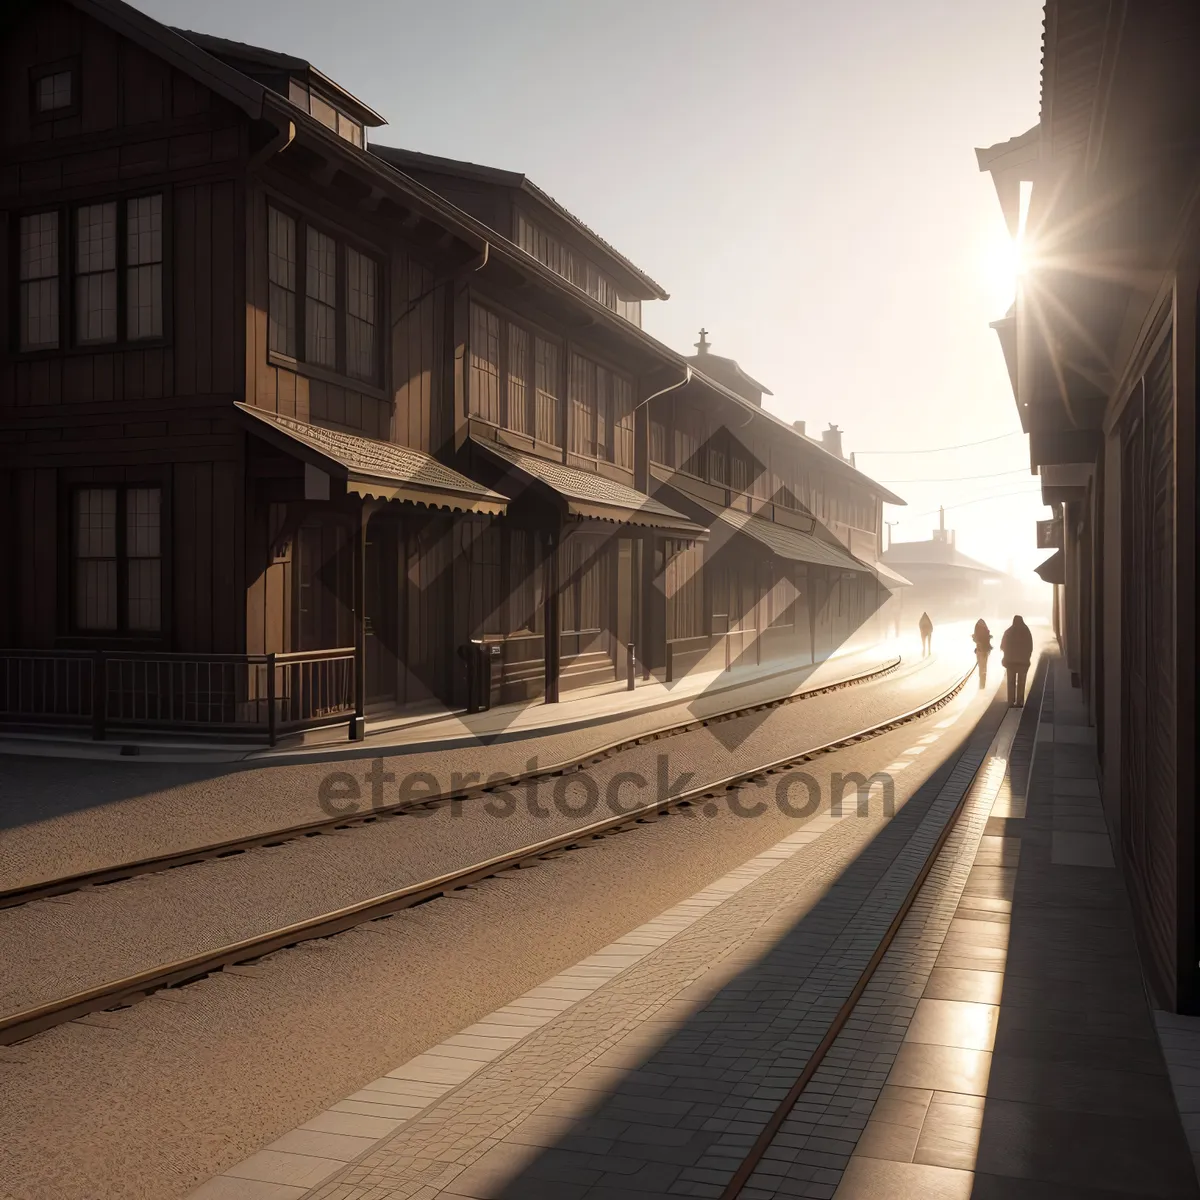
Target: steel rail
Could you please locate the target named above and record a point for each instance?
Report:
(748, 1165)
(44, 889)
(18, 1026)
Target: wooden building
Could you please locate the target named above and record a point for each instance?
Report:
(1101, 350)
(288, 419)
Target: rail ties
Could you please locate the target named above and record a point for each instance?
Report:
(21, 1025)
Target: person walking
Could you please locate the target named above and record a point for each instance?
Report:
(1017, 648)
(982, 637)
(926, 627)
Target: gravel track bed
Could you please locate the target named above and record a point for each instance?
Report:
(63, 816)
(66, 944)
(146, 1103)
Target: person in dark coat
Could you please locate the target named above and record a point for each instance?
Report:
(982, 637)
(926, 627)
(1017, 648)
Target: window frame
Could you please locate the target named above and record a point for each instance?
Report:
(343, 241)
(535, 333)
(122, 482)
(42, 71)
(68, 339)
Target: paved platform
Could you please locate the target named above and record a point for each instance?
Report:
(658, 705)
(1003, 1048)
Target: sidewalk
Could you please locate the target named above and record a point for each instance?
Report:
(1003, 1048)
(696, 695)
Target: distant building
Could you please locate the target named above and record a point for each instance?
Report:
(946, 583)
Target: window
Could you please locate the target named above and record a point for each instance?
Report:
(660, 446)
(718, 460)
(548, 392)
(39, 282)
(320, 300)
(337, 327)
(116, 261)
(622, 410)
(575, 268)
(601, 412)
(684, 586)
(362, 307)
(118, 560)
(96, 273)
(143, 268)
(581, 406)
(281, 272)
(53, 92)
(518, 380)
(484, 383)
(688, 439)
(331, 117)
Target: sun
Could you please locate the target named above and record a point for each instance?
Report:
(1005, 260)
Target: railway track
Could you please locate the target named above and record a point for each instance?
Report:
(62, 885)
(120, 993)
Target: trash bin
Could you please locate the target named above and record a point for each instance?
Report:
(479, 658)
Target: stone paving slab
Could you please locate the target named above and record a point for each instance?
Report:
(619, 1076)
(1015, 1085)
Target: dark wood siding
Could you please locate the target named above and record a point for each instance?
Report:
(417, 358)
(1149, 816)
(278, 388)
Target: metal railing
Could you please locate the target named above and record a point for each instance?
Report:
(245, 694)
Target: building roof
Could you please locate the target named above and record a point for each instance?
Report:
(933, 553)
(891, 579)
(790, 544)
(237, 54)
(596, 496)
(373, 468)
(727, 367)
(408, 160)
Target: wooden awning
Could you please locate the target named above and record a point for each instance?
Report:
(589, 495)
(791, 544)
(371, 468)
(1053, 570)
(892, 580)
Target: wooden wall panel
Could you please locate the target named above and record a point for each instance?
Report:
(416, 354)
(37, 556)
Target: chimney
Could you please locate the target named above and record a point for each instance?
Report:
(831, 439)
(702, 344)
(798, 426)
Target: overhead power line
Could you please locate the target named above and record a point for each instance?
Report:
(938, 449)
(933, 512)
(959, 478)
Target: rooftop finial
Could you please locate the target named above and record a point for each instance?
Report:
(702, 344)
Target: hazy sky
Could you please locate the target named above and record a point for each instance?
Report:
(799, 175)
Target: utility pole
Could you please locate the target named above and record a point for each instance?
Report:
(889, 525)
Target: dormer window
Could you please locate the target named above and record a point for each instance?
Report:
(313, 103)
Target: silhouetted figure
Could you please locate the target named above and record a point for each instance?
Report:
(1017, 647)
(926, 627)
(982, 637)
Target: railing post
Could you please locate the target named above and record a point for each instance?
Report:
(99, 696)
(271, 718)
(728, 650)
(669, 673)
(631, 667)
(758, 641)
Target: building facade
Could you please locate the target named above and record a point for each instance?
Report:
(288, 420)
(1101, 350)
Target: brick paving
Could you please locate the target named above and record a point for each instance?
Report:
(1003, 1048)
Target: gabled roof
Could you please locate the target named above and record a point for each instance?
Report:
(412, 160)
(730, 367)
(241, 55)
(177, 50)
(933, 554)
